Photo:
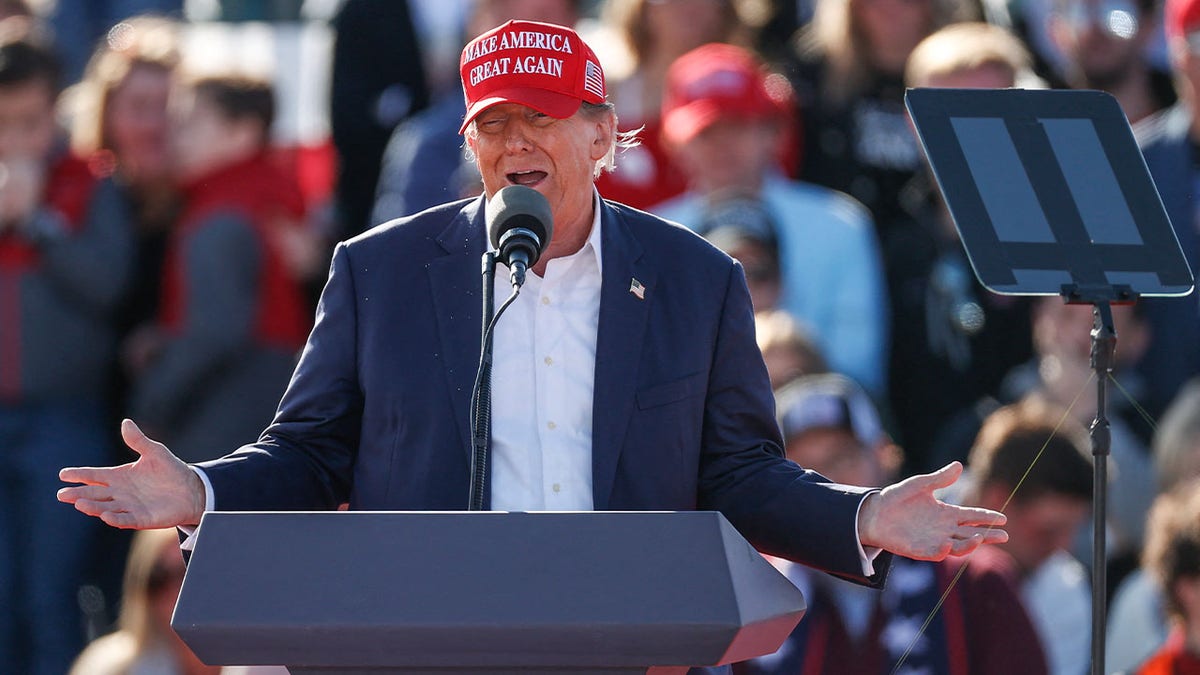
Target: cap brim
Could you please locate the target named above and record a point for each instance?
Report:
(552, 103)
(682, 124)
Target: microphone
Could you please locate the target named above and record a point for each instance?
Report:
(519, 226)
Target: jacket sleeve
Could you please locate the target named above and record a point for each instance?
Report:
(305, 459)
(780, 508)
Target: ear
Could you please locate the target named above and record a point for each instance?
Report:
(604, 130)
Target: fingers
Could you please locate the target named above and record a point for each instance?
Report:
(87, 475)
(71, 495)
(980, 516)
(93, 507)
(942, 478)
(138, 441)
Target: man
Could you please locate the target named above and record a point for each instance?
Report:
(976, 623)
(627, 377)
(725, 118)
(952, 340)
(1032, 461)
(1104, 46)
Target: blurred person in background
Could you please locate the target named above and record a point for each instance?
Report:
(378, 80)
(1138, 621)
(64, 261)
(656, 32)
(724, 117)
(976, 623)
(1169, 142)
(211, 369)
(119, 122)
(1104, 46)
(743, 229)
(848, 73)
(117, 117)
(144, 642)
(1173, 557)
(787, 346)
(1031, 461)
(953, 341)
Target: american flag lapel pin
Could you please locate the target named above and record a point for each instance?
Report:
(637, 289)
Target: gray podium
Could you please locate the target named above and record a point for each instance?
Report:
(480, 592)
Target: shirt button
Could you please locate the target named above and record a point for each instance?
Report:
(545, 299)
(549, 361)
(557, 488)
(551, 425)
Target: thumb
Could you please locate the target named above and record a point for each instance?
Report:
(138, 441)
(943, 477)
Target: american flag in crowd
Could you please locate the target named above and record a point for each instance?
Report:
(593, 79)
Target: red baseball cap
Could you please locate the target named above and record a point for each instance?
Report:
(1181, 17)
(720, 81)
(541, 65)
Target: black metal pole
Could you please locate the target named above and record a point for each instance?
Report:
(481, 399)
(1104, 346)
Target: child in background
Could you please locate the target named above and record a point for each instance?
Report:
(232, 317)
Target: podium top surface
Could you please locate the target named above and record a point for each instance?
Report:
(1049, 191)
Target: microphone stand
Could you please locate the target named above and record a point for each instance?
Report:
(481, 394)
(481, 398)
(1104, 346)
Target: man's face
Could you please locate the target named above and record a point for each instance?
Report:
(27, 125)
(730, 155)
(1043, 525)
(835, 454)
(1102, 37)
(517, 145)
(198, 134)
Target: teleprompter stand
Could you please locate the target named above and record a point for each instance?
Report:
(1051, 196)
(480, 592)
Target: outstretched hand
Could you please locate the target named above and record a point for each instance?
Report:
(158, 490)
(906, 519)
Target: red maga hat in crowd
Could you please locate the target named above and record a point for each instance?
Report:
(1181, 17)
(540, 65)
(720, 81)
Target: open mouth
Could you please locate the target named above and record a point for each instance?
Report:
(526, 178)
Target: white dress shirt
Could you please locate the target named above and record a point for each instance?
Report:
(544, 369)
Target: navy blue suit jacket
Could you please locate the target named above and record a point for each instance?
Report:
(683, 416)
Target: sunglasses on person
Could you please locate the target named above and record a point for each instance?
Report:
(1118, 18)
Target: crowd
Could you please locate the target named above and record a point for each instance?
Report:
(159, 257)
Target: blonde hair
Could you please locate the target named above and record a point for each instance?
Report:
(138, 634)
(833, 36)
(965, 47)
(629, 18)
(140, 41)
(779, 329)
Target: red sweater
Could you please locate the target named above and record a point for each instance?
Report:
(267, 198)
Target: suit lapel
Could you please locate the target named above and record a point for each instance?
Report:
(622, 322)
(455, 282)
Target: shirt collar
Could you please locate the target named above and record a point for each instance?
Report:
(594, 237)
